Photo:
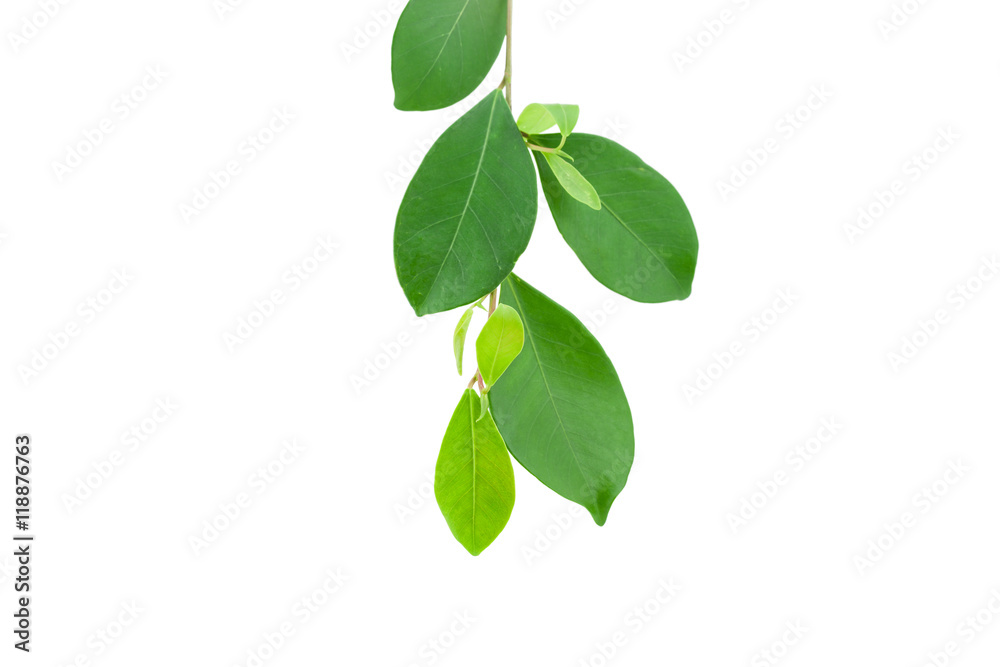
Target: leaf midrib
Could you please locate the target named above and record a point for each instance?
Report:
(643, 244)
(548, 390)
(472, 439)
(496, 349)
(468, 200)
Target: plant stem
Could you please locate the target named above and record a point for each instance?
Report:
(506, 85)
(478, 377)
(508, 67)
(542, 149)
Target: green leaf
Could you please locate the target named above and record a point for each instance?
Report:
(642, 242)
(566, 116)
(485, 409)
(474, 479)
(443, 49)
(560, 406)
(537, 118)
(578, 187)
(468, 213)
(461, 331)
(499, 343)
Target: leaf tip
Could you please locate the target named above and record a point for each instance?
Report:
(599, 514)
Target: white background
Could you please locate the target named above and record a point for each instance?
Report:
(356, 498)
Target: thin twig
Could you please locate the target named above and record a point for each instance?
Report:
(506, 85)
(508, 69)
(543, 149)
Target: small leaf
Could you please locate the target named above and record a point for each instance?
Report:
(499, 343)
(443, 49)
(642, 242)
(537, 118)
(474, 478)
(486, 406)
(578, 187)
(566, 116)
(469, 211)
(461, 330)
(561, 407)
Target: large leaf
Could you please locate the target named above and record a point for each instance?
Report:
(468, 213)
(499, 343)
(560, 406)
(474, 479)
(443, 49)
(641, 243)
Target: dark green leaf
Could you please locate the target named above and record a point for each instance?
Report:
(443, 49)
(641, 243)
(560, 405)
(474, 479)
(468, 213)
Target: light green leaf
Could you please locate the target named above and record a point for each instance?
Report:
(642, 242)
(461, 331)
(443, 49)
(560, 406)
(485, 410)
(468, 213)
(537, 118)
(578, 187)
(566, 116)
(499, 343)
(474, 478)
